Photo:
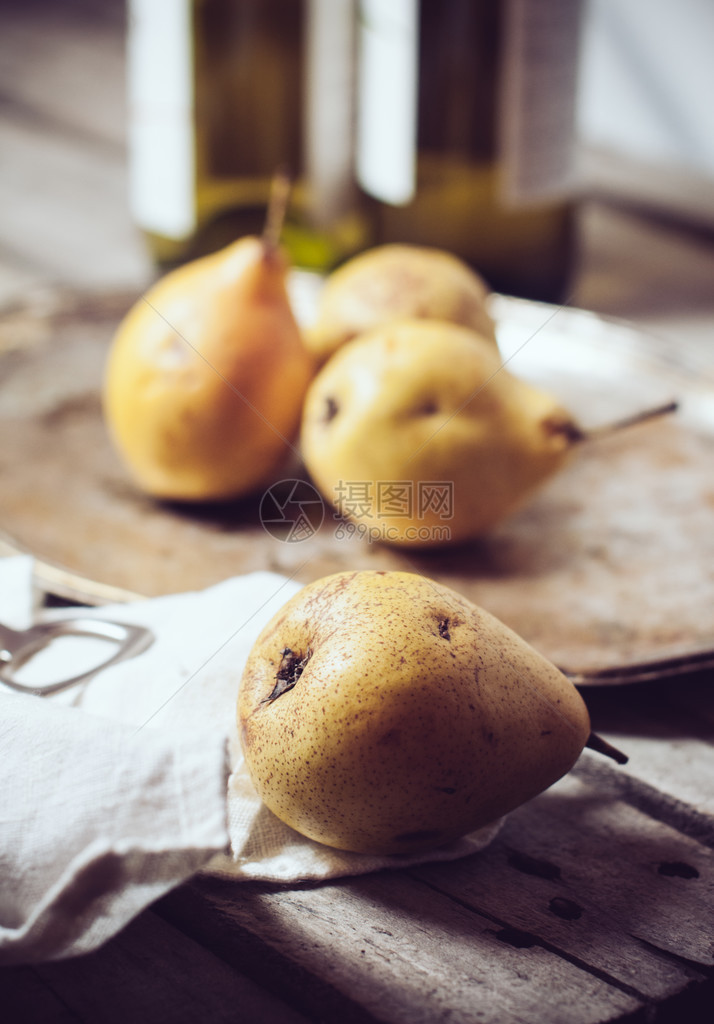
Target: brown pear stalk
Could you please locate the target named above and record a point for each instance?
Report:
(577, 434)
(280, 190)
(601, 746)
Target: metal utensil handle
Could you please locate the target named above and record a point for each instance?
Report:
(645, 671)
(18, 646)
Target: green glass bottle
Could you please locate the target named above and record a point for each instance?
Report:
(225, 93)
(466, 129)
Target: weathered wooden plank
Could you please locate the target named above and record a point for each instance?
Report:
(397, 949)
(63, 69)
(148, 974)
(667, 729)
(580, 894)
(77, 227)
(600, 881)
(26, 999)
(388, 948)
(63, 124)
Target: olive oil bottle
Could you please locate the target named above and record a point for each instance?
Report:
(225, 93)
(448, 123)
(466, 130)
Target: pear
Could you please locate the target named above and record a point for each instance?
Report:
(417, 433)
(392, 282)
(206, 376)
(383, 713)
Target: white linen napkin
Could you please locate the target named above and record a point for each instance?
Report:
(119, 789)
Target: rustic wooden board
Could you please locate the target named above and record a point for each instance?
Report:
(121, 982)
(612, 562)
(582, 909)
(586, 907)
(63, 134)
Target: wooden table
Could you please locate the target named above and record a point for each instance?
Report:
(595, 902)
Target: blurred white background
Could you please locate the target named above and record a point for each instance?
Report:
(647, 102)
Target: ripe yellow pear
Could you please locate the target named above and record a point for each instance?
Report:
(392, 282)
(417, 433)
(206, 376)
(383, 713)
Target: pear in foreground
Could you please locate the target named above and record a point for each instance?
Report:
(394, 281)
(383, 713)
(206, 376)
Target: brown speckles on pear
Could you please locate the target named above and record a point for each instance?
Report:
(390, 728)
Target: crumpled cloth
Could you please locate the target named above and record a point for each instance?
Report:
(121, 788)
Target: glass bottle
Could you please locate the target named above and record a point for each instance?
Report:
(466, 130)
(224, 93)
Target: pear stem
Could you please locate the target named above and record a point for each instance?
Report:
(629, 421)
(597, 743)
(277, 208)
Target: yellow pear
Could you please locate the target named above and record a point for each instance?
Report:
(392, 282)
(417, 433)
(383, 713)
(206, 376)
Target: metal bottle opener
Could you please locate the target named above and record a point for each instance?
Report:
(18, 646)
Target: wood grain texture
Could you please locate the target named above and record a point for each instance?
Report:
(582, 901)
(667, 729)
(602, 882)
(404, 954)
(63, 114)
(125, 982)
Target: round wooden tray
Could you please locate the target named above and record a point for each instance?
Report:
(612, 564)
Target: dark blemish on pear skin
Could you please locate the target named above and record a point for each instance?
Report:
(450, 790)
(331, 409)
(289, 671)
(444, 629)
